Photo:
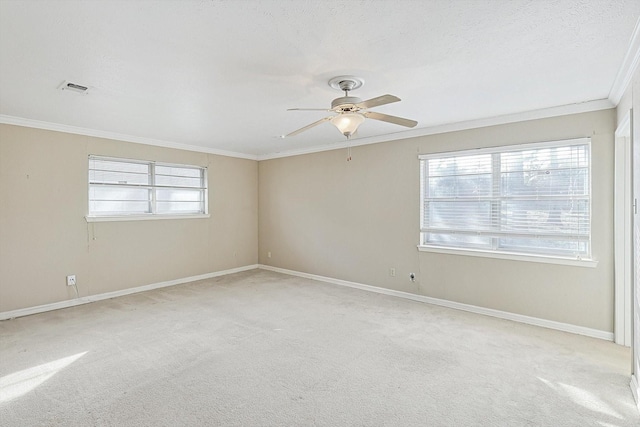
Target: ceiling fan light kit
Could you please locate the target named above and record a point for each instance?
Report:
(347, 123)
(352, 111)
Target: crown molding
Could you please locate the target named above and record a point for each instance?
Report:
(20, 121)
(628, 67)
(561, 110)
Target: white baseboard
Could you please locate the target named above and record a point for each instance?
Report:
(581, 330)
(635, 389)
(92, 298)
(566, 327)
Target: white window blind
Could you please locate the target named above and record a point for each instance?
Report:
(120, 187)
(532, 199)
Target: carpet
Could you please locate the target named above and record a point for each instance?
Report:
(260, 348)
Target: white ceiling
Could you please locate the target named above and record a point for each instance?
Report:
(220, 75)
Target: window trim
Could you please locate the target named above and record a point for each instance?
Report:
(577, 262)
(116, 218)
(505, 254)
(151, 215)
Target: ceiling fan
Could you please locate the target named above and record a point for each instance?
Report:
(352, 111)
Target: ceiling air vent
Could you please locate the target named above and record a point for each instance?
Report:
(74, 87)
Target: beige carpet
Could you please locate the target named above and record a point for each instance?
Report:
(264, 349)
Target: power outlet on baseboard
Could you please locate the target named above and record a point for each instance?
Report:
(392, 272)
(71, 280)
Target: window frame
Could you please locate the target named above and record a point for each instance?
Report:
(495, 251)
(153, 213)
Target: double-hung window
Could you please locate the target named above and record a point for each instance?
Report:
(530, 199)
(145, 189)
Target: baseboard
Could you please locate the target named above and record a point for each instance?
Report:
(421, 298)
(92, 298)
(635, 389)
(565, 327)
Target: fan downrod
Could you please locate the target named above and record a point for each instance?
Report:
(346, 103)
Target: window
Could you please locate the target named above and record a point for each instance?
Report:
(119, 187)
(529, 199)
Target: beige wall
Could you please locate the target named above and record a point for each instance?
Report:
(354, 220)
(44, 235)
(317, 214)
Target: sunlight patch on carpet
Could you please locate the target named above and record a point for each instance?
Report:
(21, 382)
(583, 398)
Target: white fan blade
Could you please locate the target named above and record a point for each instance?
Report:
(295, 132)
(391, 119)
(308, 109)
(381, 100)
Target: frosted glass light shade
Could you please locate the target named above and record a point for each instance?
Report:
(347, 123)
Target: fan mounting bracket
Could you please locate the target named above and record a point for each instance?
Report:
(346, 83)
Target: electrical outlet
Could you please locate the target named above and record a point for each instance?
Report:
(269, 254)
(71, 280)
(392, 272)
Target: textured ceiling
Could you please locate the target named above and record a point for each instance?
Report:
(221, 74)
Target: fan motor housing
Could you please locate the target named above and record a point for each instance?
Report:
(346, 103)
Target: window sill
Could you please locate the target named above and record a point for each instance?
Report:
(511, 256)
(141, 217)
